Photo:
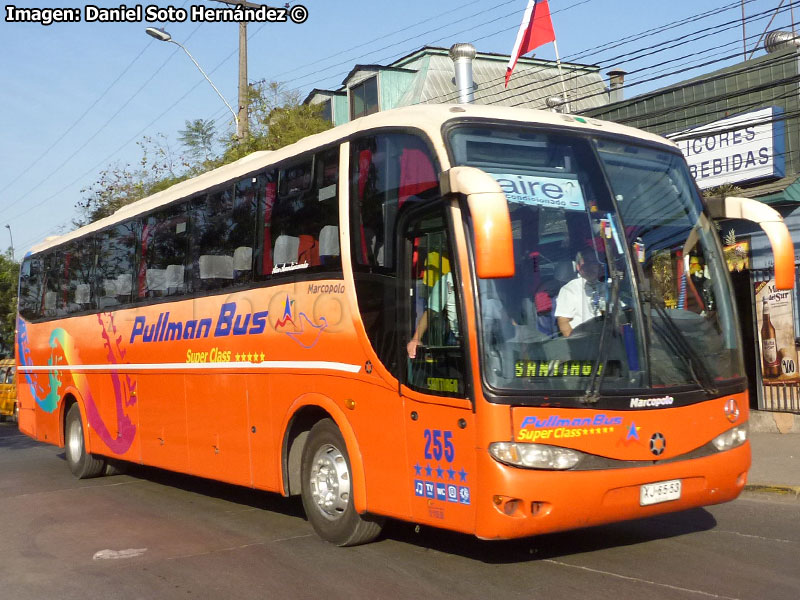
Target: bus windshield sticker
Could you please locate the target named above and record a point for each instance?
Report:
(551, 192)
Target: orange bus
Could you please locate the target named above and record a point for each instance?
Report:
(477, 318)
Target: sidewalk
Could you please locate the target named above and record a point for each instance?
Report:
(776, 456)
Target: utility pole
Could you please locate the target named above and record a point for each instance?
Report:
(243, 124)
(244, 90)
(12, 241)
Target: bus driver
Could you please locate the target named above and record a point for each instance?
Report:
(583, 298)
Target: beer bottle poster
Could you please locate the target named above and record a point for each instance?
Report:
(775, 320)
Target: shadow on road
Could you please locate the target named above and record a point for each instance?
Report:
(555, 544)
(217, 489)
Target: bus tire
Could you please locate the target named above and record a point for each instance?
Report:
(82, 464)
(327, 489)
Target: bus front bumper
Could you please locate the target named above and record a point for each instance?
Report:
(514, 502)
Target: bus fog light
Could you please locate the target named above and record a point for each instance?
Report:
(731, 438)
(534, 456)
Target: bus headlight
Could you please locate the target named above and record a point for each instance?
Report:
(731, 438)
(534, 456)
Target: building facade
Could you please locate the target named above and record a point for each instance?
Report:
(427, 77)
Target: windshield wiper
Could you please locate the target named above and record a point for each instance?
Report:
(592, 393)
(672, 334)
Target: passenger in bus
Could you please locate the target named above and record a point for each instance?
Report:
(584, 297)
(441, 303)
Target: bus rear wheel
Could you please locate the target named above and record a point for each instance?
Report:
(82, 464)
(327, 489)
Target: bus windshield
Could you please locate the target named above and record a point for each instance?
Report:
(620, 286)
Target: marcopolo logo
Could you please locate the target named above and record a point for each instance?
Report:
(652, 402)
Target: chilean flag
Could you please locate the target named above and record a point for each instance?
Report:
(535, 30)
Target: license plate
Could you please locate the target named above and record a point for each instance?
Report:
(663, 491)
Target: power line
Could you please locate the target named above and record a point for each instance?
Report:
(643, 52)
(516, 12)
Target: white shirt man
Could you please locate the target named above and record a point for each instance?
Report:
(583, 298)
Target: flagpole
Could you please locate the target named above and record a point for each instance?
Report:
(561, 76)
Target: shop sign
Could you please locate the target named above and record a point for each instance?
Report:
(746, 147)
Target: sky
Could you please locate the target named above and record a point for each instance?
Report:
(76, 97)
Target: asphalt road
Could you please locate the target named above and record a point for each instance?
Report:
(155, 535)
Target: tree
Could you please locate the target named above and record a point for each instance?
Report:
(198, 139)
(9, 276)
(278, 118)
(119, 185)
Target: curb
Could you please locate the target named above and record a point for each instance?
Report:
(785, 490)
(762, 421)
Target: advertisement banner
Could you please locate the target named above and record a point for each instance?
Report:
(775, 326)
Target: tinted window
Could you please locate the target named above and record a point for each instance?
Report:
(30, 288)
(386, 171)
(55, 296)
(223, 225)
(164, 253)
(78, 275)
(301, 224)
(115, 273)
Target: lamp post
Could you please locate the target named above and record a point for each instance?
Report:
(163, 36)
(12, 241)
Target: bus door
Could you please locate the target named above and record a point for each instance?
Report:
(440, 426)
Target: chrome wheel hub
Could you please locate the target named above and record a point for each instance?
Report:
(74, 442)
(330, 481)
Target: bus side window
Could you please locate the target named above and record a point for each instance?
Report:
(266, 204)
(223, 226)
(53, 301)
(115, 270)
(78, 275)
(242, 234)
(304, 214)
(164, 253)
(30, 291)
(386, 171)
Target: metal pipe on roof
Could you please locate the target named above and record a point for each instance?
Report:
(462, 56)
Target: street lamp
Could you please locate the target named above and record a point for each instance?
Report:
(163, 36)
(12, 241)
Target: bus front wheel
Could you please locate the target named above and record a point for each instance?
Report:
(327, 489)
(82, 464)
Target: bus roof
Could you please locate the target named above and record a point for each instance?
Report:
(426, 117)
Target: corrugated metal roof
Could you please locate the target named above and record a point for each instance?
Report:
(530, 85)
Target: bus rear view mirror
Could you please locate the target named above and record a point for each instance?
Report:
(494, 248)
(771, 222)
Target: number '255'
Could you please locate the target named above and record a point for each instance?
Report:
(439, 443)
